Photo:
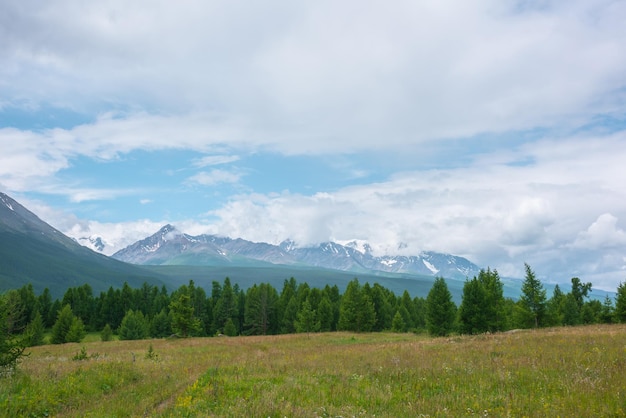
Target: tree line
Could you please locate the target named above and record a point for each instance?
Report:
(153, 312)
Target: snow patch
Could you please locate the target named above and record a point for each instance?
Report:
(390, 262)
(430, 267)
(7, 204)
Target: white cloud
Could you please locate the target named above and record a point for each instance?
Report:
(297, 78)
(602, 234)
(214, 177)
(210, 160)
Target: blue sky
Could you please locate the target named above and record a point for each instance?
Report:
(494, 130)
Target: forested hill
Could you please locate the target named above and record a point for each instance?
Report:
(31, 251)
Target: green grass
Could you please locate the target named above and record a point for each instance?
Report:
(552, 372)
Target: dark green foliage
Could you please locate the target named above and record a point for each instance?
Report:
(134, 326)
(225, 307)
(261, 303)
(356, 311)
(229, 328)
(160, 326)
(183, 319)
(305, 321)
(440, 309)
(35, 331)
(11, 347)
(67, 328)
(325, 314)
(532, 300)
(397, 323)
(620, 303)
(474, 308)
(607, 313)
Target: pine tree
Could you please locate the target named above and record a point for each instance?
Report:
(225, 307)
(608, 311)
(397, 324)
(260, 308)
(62, 326)
(533, 298)
(11, 348)
(160, 325)
(35, 331)
(134, 326)
(325, 314)
(474, 308)
(183, 320)
(305, 321)
(494, 300)
(440, 309)
(620, 303)
(349, 306)
(76, 332)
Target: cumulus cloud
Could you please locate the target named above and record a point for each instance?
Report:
(502, 83)
(601, 234)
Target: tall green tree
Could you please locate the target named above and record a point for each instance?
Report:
(325, 314)
(67, 328)
(225, 307)
(35, 331)
(533, 298)
(260, 310)
(474, 309)
(620, 303)
(440, 309)
(356, 311)
(305, 321)
(11, 347)
(183, 320)
(494, 300)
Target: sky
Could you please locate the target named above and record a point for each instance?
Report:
(489, 129)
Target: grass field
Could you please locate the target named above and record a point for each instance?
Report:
(563, 372)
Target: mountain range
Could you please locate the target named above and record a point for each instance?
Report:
(169, 246)
(31, 251)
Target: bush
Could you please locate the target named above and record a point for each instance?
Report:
(107, 333)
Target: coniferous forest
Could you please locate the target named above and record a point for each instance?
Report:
(153, 312)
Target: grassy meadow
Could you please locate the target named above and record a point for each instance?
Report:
(578, 371)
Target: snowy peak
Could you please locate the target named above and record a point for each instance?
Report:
(93, 242)
(170, 246)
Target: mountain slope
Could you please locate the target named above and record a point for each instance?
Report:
(169, 246)
(31, 251)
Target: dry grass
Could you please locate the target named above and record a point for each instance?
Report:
(553, 372)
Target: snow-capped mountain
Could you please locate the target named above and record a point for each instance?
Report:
(170, 246)
(93, 242)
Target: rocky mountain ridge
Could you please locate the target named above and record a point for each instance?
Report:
(169, 246)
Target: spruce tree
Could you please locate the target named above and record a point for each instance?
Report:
(620, 303)
(183, 320)
(134, 326)
(61, 327)
(533, 298)
(474, 309)
(35, 331)
(440, 309)
(11, 348)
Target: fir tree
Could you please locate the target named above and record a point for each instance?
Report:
(533, 298)
(35, 331)
(440, 309)
(134, 326)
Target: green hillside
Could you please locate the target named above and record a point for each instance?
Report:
(45, 263)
